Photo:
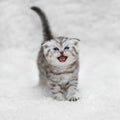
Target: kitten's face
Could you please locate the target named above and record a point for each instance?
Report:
(61, 51)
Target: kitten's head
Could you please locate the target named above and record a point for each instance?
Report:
(61, 51)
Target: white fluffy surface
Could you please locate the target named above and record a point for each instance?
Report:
(96, 23)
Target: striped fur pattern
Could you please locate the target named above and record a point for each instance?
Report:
(58, 64)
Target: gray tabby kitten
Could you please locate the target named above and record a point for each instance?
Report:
(58, 62)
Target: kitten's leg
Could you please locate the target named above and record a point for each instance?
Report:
(72, 93)
(56, 91)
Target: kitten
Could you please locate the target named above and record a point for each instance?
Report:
(58, 62)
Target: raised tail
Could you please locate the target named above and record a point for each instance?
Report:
(47, 34)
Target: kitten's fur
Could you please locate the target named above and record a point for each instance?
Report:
(58, 62)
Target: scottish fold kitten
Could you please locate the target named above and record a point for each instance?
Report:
(58, 62)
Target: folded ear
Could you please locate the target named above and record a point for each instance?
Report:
(45, 44)
(75, 41)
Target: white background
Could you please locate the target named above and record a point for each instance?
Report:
(96, 23)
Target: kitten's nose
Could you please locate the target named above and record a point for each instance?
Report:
(61, 52)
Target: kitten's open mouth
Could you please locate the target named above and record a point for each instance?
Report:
(62, 58)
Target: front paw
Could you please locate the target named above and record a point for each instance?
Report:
(59, 97)
(73, 98)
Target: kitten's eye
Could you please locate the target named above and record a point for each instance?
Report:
(66, 48)
(55, 49)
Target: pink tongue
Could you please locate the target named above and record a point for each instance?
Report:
(62, 59)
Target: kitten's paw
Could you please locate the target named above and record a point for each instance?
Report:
(74, 98)
(59, 97)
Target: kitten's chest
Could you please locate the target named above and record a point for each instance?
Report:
(61, 76)
(63, 79)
